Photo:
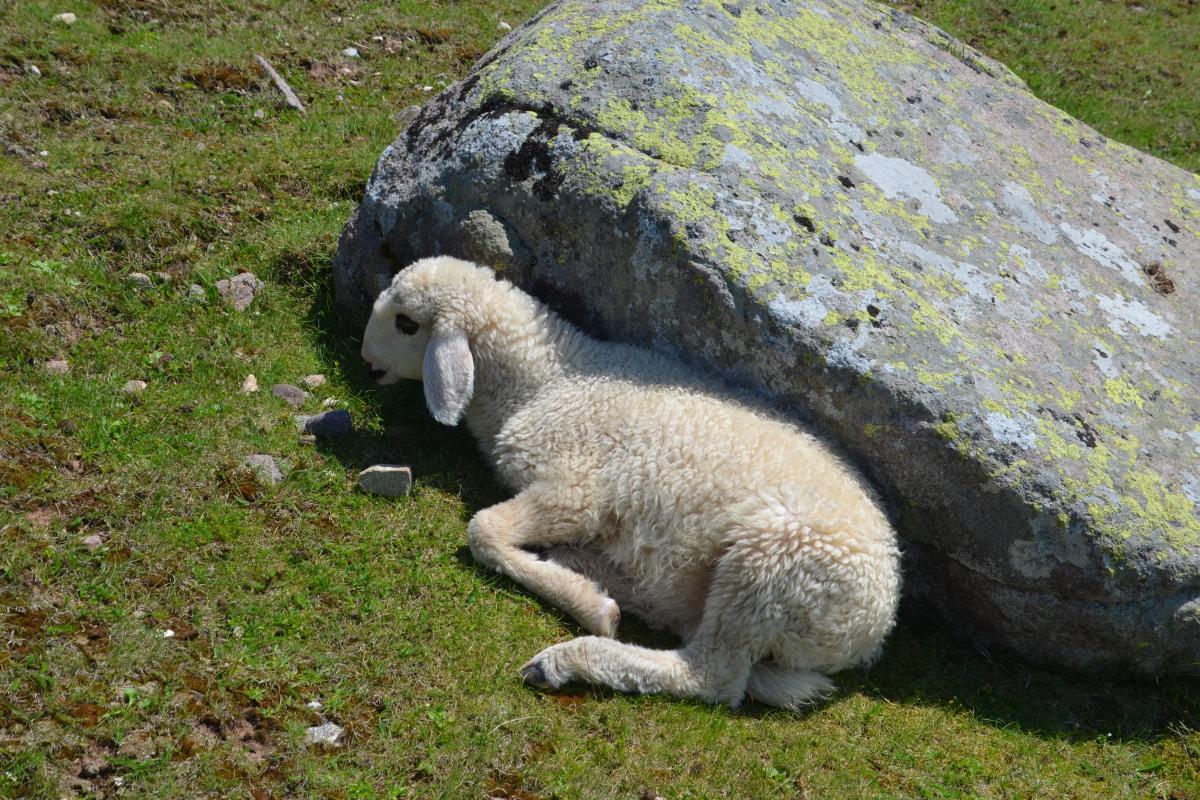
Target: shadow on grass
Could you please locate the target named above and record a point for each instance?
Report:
(922, 665)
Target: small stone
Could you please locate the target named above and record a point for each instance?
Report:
(239, 290)
(389, 480)
(329, 402)
(134, 387)
(265, 467)
(315, 705)
(91, 542)
(34, 69)
(250, 385)
(328, 424)
(66, 18)
(259, 114)
(426, 88)
(57, 366)
(504, 26)
(313, 381)
(294, 396)
(139, 280)
(196, 292)
(168, 634)
(350, 52)
(326, 735)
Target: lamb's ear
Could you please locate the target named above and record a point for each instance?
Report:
(448, 374)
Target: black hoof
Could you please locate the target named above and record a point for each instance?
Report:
(535, 675)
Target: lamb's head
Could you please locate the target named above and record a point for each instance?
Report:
(419, 329)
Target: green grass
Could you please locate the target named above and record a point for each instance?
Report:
(155, 161)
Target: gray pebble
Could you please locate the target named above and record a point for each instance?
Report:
(328, 424)
(292, 395)
(265, 467)
(390, 480)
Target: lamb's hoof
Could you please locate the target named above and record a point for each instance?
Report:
(534, 674)
(607, 619)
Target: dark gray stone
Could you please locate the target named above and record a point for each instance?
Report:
(990, 306)
(328, 424)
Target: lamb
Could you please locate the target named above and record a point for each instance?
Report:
(641, 484)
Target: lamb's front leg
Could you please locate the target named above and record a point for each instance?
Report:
(542, 516)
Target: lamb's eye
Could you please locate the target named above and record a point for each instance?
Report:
(406, 325)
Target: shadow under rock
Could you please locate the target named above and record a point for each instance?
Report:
(921, 664)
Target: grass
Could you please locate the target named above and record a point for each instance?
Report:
(139, 149)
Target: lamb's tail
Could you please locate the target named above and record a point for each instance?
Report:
(792, 689)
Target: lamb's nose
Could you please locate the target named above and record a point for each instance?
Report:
(375, 374)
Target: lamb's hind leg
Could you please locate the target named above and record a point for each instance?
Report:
(541, 516)
(714, 665)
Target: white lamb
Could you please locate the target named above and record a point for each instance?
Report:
(640, 478)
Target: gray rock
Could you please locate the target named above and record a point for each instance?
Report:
(327, 424)
(292, 395)
(57, 366)
(239, 291)
(390, 480)
(265, 467)
(987, 304)
(140, 281)
(196, 292)
(326, 735)
(92, 542)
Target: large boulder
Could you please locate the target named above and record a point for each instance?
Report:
(988, 305)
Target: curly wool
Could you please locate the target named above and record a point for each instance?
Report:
(651, 487)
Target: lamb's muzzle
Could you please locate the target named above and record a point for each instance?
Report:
(648, 487)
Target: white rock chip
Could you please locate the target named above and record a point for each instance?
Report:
(313, 381)
(134, 387)
(350, 52)
(504, 26)
(390, 480)
(66, 18)
(250, 385)
(327, 735)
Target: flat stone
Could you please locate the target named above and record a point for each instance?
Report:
(92, 542)
(326, 735)
(140, 281)
(66, 18)
(313, 381)
(292, 395)
(265, 467)
(57, 366)
(987, 304)
(250, 385)
(391, 480)
(134, 387)
(239, 291)
(196, 293)
(327, 424)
